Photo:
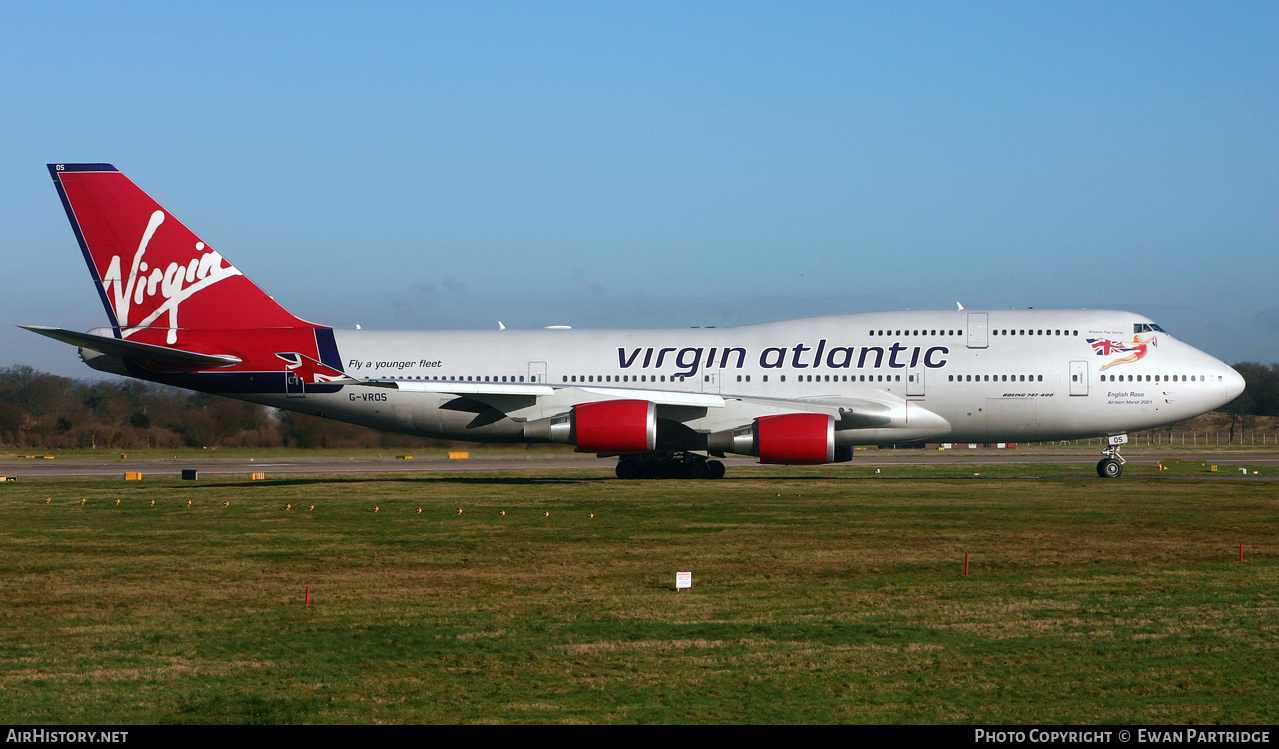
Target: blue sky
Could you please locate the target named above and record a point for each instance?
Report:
(449, 165)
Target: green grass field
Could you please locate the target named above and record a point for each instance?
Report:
(814, 599)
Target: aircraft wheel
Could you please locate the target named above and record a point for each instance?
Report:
(1109, 468)
(716, 469)
(699, 470)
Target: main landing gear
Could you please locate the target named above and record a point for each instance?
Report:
(1112, 466)
(680, 465)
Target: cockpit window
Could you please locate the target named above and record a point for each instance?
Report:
(1147, 327)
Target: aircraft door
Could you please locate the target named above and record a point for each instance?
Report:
(1079, 378)
(915, 381)
(710, 381)
(977, 324)
(293, 385)
(537, 371)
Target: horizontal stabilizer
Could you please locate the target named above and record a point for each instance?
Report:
(141, 352)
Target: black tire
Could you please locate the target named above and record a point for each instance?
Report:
(628, 470)
(716, 469)
(1109, 468)
(699, 470)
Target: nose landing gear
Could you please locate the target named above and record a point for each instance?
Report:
(1112, 466)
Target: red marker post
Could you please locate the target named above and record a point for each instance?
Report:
(308, 597)
(965, 565)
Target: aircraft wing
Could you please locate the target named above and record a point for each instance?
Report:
(461, 388)
(660, 397)
(510, 396)
(850, 413)
(145, 353)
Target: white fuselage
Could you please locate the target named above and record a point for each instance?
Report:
(995, 375)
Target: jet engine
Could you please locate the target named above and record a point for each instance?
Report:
(617, 426)
(785, 438)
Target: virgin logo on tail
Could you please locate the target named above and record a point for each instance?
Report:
(151, 269)
(174, 284)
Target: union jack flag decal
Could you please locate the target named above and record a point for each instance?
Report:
(1106, 347)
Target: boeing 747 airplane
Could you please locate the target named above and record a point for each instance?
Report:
(664, 402)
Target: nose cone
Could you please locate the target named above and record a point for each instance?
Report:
(1234, 384)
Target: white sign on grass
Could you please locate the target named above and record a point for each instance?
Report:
(683, 580)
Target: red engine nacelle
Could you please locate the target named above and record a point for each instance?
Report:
(621, 426)
(796, 438)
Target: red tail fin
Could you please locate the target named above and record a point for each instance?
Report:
(156, 277)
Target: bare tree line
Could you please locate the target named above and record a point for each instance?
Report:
(44, 411)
